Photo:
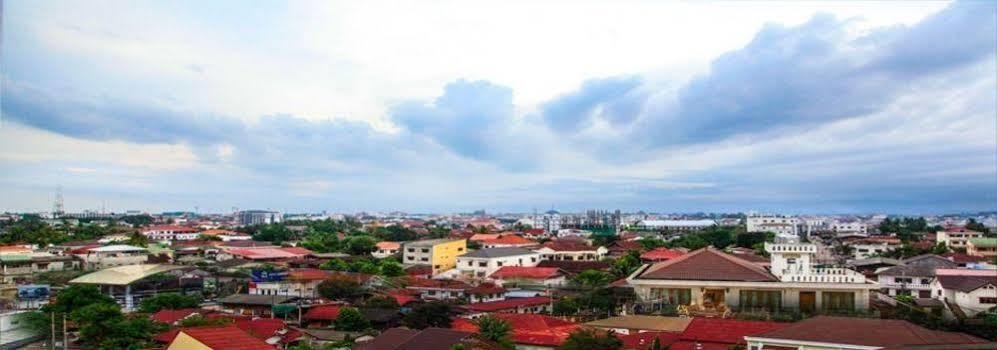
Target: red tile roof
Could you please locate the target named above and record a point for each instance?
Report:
(569, 245)
(661, 254)
(403, 296)
(269, 253)
(866, 332)
(643, 340)
(528, 329)
(483, 236)
(708, 264)
(726, 331)
(507, 304)
(388, 245)
(226, 338)
(486, 288)
(308, 274)
(171, 316)
(507, 272)
(322, 312)
(960, 258)
(508, 240)
(262, 328)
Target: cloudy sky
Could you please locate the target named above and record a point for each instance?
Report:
(840, 107)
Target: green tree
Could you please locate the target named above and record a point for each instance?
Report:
(171, 301)
(335, 265)
(972, 224)
(391, 269)
(76, 297)
(496, 330)
(360, 245)
(431, 314)
(395, 233)
(350, 320)
(340, 288)
(591, 339)
(592, 279)
(566, 306)
(381, 302)
(276, 233)
(626, 264)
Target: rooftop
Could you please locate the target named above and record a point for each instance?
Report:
(497, 252)
(643, 322)
(224, 338)
(708, 264)
(430, 242)
(123, 275)
(507, 304)
(511, 272)
(865, 332)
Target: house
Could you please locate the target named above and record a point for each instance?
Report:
(226, 235)
(321, 315)
(302, 283)
(170, 233)
(325, 338)
(254, 304)
(440, 254)
(529, 305)
(572, 250)
(172, 317)
(851, 333)
(965, 292)
(482, 263)
(517, 276)
(265, 253)
(410, 339)
(507, 240)
(620, 248)
(913, 276)
(774, 224)
(528, 331)
(21, 265)
(634, 324)
(430, 289)
(216, 338)
(112, 255)
(869, 267)
(985, 247)
(660, 254)
(956, 237)
(485, 292)
(709, 279)
(865, 248)
(386, 249)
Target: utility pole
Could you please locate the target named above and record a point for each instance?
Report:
(52, 342)
(65, 333)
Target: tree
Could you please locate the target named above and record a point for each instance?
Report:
(591, 339)
(76, 297)
(138, 239)
(340, 288)
(972, 224)
(496, 330)
(395, 233)
(275, 233)
(566, 306)
(103, 326)
(350, 320)
(335, 265)
(360, 245)
(432, 314)
(198, 321)
(592, 279)
(381, 302)
(626, 264)
(391, 269)
(171, 301)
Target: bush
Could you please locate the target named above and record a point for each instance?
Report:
(350, 320)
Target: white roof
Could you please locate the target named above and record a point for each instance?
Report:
(117, 248)
(677, 223)
(123, 275)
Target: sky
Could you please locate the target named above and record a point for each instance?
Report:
(507, 106)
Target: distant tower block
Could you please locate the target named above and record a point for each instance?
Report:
(57, 207)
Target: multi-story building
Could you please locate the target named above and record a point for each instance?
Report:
(709, 279)
(15, 266)
(482, 263)
(441, 254)
(675, 225)
(113, 255)
(865, 248)
(549, 221)
(913, 276)
(171, 233)
(571, 250)
(850, 228)
(985, 247)
(776, 224)
(956, 237)
(258, 217)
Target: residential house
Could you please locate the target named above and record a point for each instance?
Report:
(112, 255)
(710, 280)
(302, 283)
(529, 305)
(620, 248)
(851, 333)
(507, 240)
(575, 267)
(431, 289)
(482, 263)
(965, 292)
(721, 334)
(956, 237)
(271, 254)
(485, 292)
(254, 304)
(20, 266)
(440, 254)
(865, 248)
(913, 276)
(386, 249)
(985, 247)
(573, 250)
(537, 277)
(216, 338)
(660, 254)
(319, 316)
(775, 224)
(426, 339)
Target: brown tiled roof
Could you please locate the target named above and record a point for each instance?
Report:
(568, 245)
(404, 339)
(708, 264)
(867, 332)
(388, 340)
(573, 266)
(964, 283)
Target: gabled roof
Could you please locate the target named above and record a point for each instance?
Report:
(171, 316)
(661, 254)
(405, 339)
(708, 264)
(322, 312)
(965, 280)
(726, 331)
(507, 304)
(930, 260)
(866, 332)
(569, 245)
(507, 272)
(256, 299)
(499, 252)
(224, 338)
(388, 340)
(486, 288)
(508, 239)
(123, 275)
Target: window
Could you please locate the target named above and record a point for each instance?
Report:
(761, 300)
(838, 301)
(436, 267)
(483, 264)
(499, 263)
(460, 249)
(791, 261)
(424, 259)
(905, 280)
(533, 259)
(672, 296)
(986, 300)
(411, 250)
(470, 263)
(425, 250)
(411, 258)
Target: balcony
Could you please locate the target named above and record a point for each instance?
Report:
(790, 248)
(822, 275)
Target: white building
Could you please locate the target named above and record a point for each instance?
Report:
(956, 237)
(571, 250)
(386, 249)
(549, 221)
(966, 292)
(914, 277)
(675, 225)
(482, 263)
(869, 247)
(113, 255)
(853, 228)
(776, 224)
(258, 217)
(171, 233)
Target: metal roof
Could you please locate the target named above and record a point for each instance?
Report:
(123, 275)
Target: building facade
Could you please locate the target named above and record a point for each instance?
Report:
(482, 263)
(440, 254)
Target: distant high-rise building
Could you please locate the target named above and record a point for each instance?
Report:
(258, 217)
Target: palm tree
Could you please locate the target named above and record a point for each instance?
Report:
(495, 329)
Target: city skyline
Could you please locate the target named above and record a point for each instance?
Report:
(827, 107)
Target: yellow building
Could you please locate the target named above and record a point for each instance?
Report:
(441, 254)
